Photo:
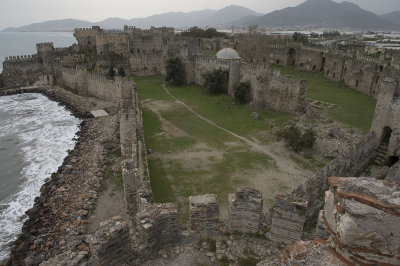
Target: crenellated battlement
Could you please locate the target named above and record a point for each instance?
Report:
(369, 59)
(20, 58)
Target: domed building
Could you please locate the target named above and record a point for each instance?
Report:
(227, 53)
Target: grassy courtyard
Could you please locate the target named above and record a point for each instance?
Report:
(353, 108)
(192, 157)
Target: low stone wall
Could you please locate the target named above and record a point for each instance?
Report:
(203, 212)
(110, 245)
(245, 211)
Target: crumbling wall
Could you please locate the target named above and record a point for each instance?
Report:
(147, 63)
(157, 224)
(303, 204)
(245, 211)
(203, 212)
(363, 216)
(387, 113)
(272, 91)
(111, 245)
(203, 65)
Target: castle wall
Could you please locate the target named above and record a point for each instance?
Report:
(272, 91)
(205, 64)
(21, 70)
(387, 112)
(141, 63)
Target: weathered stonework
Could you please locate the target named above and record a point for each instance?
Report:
(362, 217)
(157, 224)
(110, 245)
(203, 212)
(245, 211)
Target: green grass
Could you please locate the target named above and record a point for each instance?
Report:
(220, 110)
(209, 53)
(353, 108)
(175, 179)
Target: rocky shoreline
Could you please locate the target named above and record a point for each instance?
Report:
(58, 221)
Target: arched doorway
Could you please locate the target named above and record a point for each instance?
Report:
(392, 160)
(291, 57)
(386, 135)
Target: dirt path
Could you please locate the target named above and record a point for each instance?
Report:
(283, 163)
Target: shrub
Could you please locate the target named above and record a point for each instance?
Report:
(196, 32)
(300, 37)
(216, 81)
(111, 72)
(296, 140)
(242, 92)
(175, 71)
(121, 72)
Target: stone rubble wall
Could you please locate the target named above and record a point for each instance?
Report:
(294, 213)
(245, 211)
(203, 212)
(157, 224)
(363, 216)
(110, 245)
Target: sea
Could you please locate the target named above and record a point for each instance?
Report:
(35, 136)
(24, 43)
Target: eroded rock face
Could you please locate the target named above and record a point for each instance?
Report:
(362, 217)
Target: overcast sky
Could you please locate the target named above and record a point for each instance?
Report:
(22, 12)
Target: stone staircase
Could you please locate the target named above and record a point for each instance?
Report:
(380, 154)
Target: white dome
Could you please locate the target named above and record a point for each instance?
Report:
(227, 53)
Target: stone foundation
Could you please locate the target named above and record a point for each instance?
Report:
(245, 211)
(204, 212)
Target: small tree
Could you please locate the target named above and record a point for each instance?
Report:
(242, 92)
(175, 71)
(111, 71)
(300, 37)
(216, 81)
(121, 72)
(296, 140)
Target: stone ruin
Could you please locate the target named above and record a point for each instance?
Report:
(245, 211)
(362, 217)
(110, 245)
(203, 212)
(157, 224)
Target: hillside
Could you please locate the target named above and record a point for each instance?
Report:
(393, 17)
(322, 14)
(178, 20)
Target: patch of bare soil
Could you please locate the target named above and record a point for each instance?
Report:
(158, 106)
(110, 203)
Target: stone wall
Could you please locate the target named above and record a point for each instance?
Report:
(203, 212)
(292, 214)
(157, 224)
(268, 88)
(357, 71)
(21, 70)
(363, 216)
(387, 114)
(245, 211)
(111, 245)
(83, 83)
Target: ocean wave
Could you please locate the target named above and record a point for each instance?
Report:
(45, 132)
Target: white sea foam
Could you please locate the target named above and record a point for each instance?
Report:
(45, 132)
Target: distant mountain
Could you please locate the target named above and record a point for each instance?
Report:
(54, 25)
(393, 17)
(178, 20)
(322, 14)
